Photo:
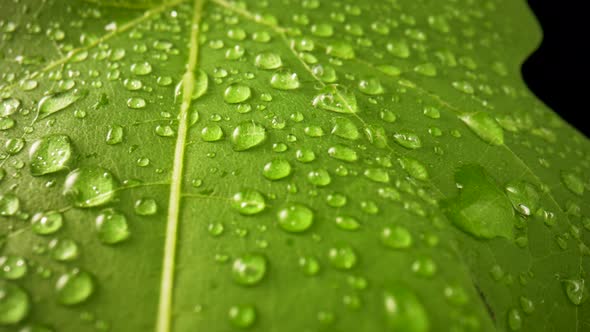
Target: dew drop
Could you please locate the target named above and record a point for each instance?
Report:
(485, 127)
(248, 202)
(396, 237)
(335, 98)
(13, 267)
(14, 304)
(112, 227)
(59, 101)
(295, 218)
(248, 135)
(237, 93)
(74, 287)
(90, 186)
(50, 154)
(407, 139)
(276, 169)
(242, 316)
(249, 269)
(403, 310)
(342, 257)
(268, 60)
(284, 80)
(44, 223)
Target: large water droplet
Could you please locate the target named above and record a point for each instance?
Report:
(342, 257)
(249, 269)
(90, 186)
(45, 223)
(237, 93)
(484, 126)
(9, 205)
(276, 169)
(284, 80)
(335, 98)
(248, 202)
(295, 218)
(248, 135)
(481, 208)
(268, 60)
(59, 101)
(403, 310)
(14, 304)
(50, 154)
(74, 287)
(524, 197)
(111, 227)
(396, 237)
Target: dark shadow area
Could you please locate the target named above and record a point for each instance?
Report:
(557, 71)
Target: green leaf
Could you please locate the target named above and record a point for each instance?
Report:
(286, 166)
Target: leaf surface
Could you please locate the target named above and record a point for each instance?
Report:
(284, 166)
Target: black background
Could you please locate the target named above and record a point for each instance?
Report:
(556, 72)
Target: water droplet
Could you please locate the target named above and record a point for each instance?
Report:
(345, 128)
(90, 186)
(284, 80)
(136, 103)
(514, 319)
(524, 197)
(211, 133)
(396, 237)
(347, 223)
(249, 269)
(141, 68)
(12, 267)
(44, 223)
(242, 316)
(9, 106)
(111, 227)
(276, 169)
(63, 250)
(414, 168)
(14, 304)
(576, 290)
(248, 135)
(325, 73)
(237, 93)
(432, 112)
(59, 101)
(403, 310)
(340, 50)
(485, 127)
(248, 202)
(342, 152)
(371, 86)
(74, 287)
(319, 177)
(426, 69)
(114, 135)
(337, 99)
(342, 257)
(9, 205)
(399, 49)
(146, 207)
(268, 60)
(377, 174)
(424, 267)
(481, 208)
(407, 139)
(295, 218)
(573, 182)
(305, 155)
(50, 154)
(309, 265)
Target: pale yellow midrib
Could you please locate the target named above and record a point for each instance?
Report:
(188, 80)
